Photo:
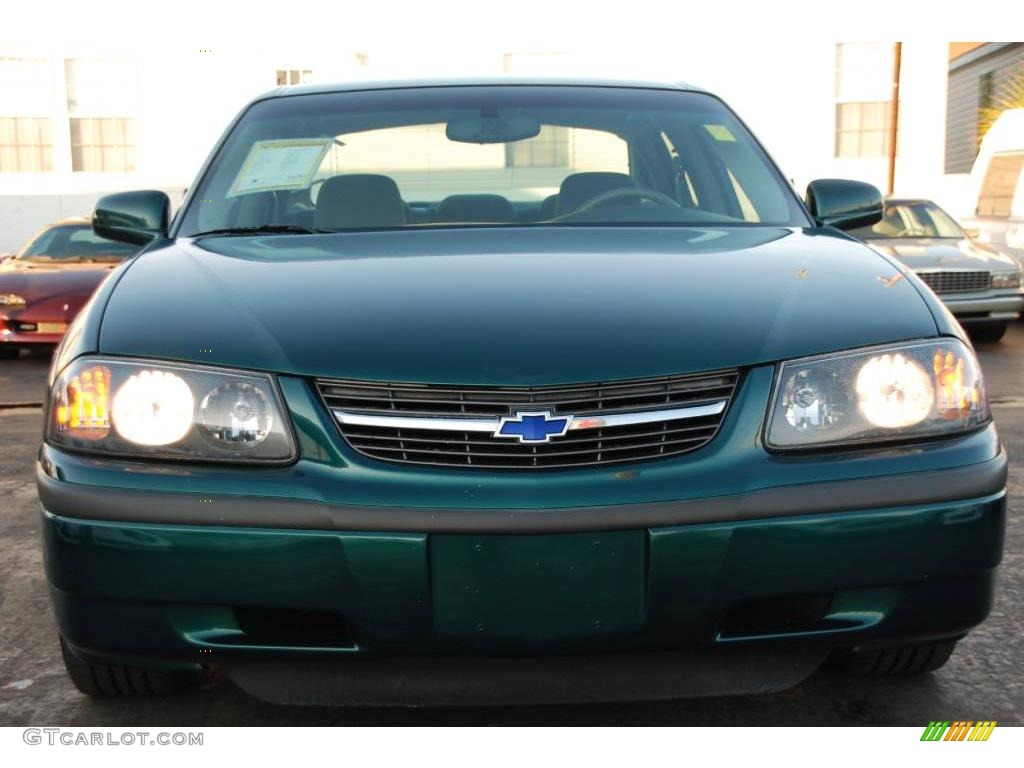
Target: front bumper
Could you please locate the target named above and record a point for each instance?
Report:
(727, 559)
(717, 593)
(30, 339)
(13, 332)
(985, 308)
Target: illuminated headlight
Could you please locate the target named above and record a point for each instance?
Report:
(11, 300)
(168, 410)
(922, 389)
(153, 408)
(1006, 279)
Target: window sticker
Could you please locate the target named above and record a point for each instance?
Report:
(720, 133)
(279, 164)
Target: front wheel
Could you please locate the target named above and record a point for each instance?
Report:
(112, 681)
(8, 352)
(908, 660)
(988, 334)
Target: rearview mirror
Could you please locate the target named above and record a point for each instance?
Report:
(844, 204)
(492, 128)
(132, 217)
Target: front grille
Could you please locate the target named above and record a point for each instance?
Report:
(957, 281)
(577, 448)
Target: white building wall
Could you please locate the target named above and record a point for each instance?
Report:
(181, 108)
(791, 108)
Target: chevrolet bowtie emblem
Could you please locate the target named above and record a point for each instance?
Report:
(533, 427)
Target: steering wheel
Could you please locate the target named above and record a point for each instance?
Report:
(622, 193)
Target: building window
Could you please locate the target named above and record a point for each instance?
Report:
(26, 87)
(26, 144)
(862, 128)
(102, 144)
(26, 130)
(548, 149)
(863, 99)
(294, 76)
(101, 99)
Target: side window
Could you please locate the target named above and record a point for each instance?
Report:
(1001, 177)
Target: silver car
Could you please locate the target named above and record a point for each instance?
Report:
(980, 285)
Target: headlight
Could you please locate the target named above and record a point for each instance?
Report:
(12, 300)
(922, 389)
(1006, 279)
(167, 410)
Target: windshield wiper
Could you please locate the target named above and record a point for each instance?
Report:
(263, 229)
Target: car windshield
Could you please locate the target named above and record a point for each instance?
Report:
(915, 219)
(74, 242)
(479, 156)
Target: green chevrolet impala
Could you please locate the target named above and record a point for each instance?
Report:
(510, 391)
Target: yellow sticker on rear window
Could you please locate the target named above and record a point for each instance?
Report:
(720, 133)
(279, 164)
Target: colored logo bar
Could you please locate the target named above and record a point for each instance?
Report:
(958, 730)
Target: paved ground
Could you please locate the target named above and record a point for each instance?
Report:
(982, 681)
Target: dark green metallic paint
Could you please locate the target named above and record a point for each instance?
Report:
(844, 204)
(523, 307)
(132, 217)
(533, 590)
(891, 569)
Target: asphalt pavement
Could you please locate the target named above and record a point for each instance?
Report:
(983, 680)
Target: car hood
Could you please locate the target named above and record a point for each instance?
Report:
(924, 253)
(39, 281)
(509, 306)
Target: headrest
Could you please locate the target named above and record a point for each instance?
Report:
(578, 188)
(255, 209)
(549, 208)
(359, 200)
(482, 208)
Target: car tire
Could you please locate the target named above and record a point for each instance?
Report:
(103, 681)
(988, 333)
(906, 660)
(8, 353)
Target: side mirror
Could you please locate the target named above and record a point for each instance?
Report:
(844, 204)
(973, 233)
(5, 256)
(132, 217)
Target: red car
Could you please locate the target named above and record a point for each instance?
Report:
(44, 286)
